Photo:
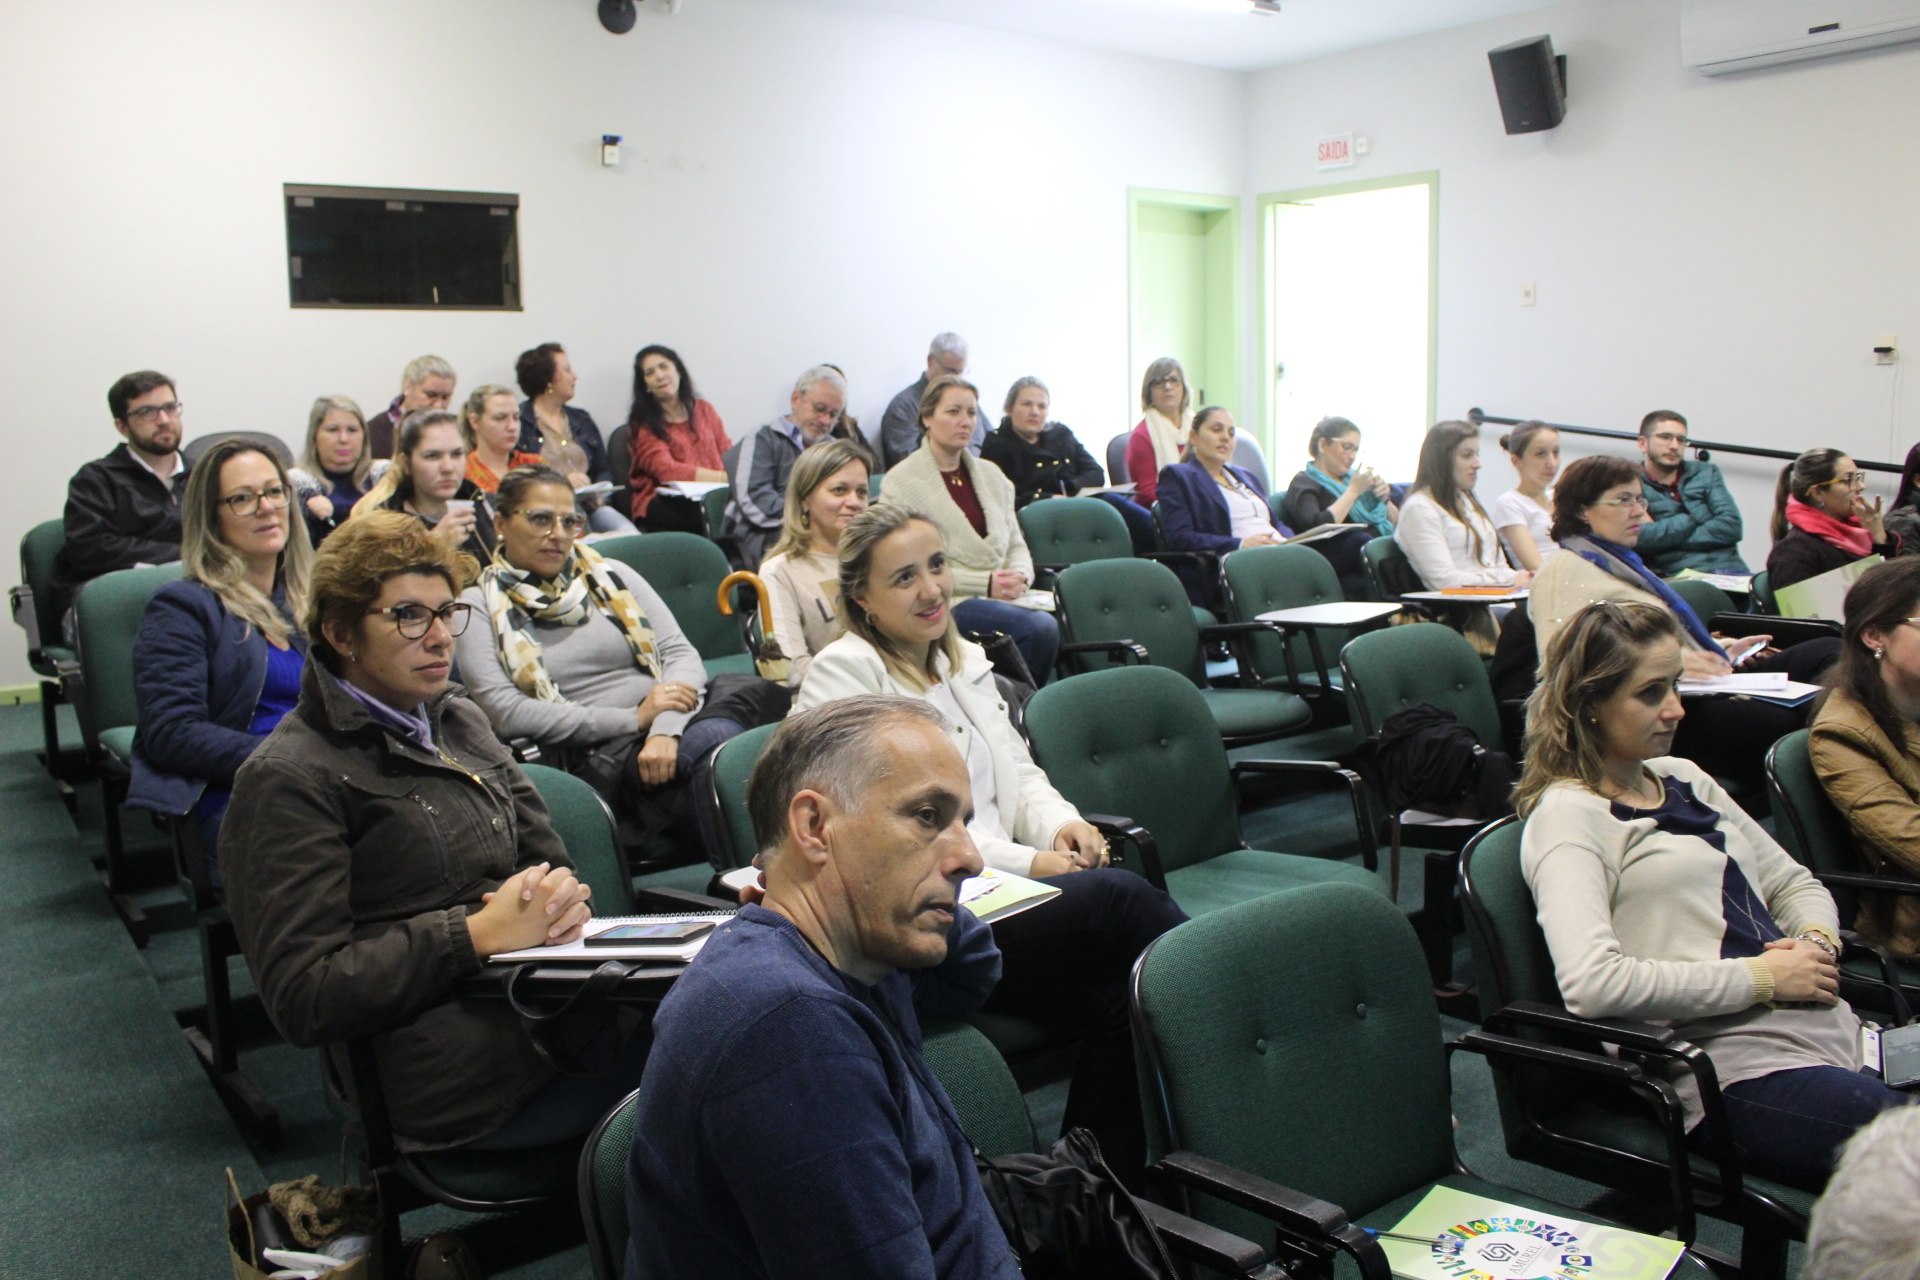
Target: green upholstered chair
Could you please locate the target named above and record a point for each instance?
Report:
(1118, 612)
(730, 767)
(1816, 833)
(685, 570)
(1064, 531)
(1261, 579)
(48, 653)
(106, 619)
(1389, 572)
(1763, 599)
(620, 469)
(585, 826)
(603, 1190)
(1592, 1133)
(1297, 1076)
(1705, 598)
(1140, 741)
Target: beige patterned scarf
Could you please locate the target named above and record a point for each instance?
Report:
(585, 587)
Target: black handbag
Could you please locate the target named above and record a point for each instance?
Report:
(1068, 1218)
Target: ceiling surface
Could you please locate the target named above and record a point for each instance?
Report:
(1206, 32)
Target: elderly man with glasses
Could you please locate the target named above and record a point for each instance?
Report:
(1692, 522)
(123, 510)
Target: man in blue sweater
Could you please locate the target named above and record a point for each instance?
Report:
(788, 1124)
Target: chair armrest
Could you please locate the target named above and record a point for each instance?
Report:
(1202, 559)
(664, 899)
(1125, 831)
(525, 750)
(1334, 774)
(1312, 1222)
(1211, 1247)
(1889, 975)
(1868, 880)
(1647, 1037)
(1120, 650)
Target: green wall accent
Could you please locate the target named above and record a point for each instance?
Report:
(1184, 290)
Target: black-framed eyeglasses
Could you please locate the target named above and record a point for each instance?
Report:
(148, 412)
(413, 620)
(247, 502)
(543, 521)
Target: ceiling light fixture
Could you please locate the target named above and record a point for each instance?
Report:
(1268, 7)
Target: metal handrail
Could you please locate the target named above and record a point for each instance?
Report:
(1703, 449)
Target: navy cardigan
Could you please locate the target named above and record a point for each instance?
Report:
(1193, 517)
(197, 672)
(586, 434)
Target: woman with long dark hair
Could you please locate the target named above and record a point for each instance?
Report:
(1208, 504)
(1524, 513)
(1445, 532)
(674, 436)
(1822, 520)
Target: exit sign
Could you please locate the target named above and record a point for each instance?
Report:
(1334, 153)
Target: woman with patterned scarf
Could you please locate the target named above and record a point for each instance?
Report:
(580, 655)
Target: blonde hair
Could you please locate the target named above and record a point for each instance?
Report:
(865, 532)
(310, 460)
(1587, 661)
(477, 405)
(356, 560)
(815, 465)
(207, 558)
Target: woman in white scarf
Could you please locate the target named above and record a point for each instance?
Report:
(1161, 436)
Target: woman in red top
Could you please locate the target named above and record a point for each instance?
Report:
(674, 436)
(1160, 438)
(491, 424)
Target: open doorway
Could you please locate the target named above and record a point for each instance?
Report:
(1184, 291)
(1349, 275)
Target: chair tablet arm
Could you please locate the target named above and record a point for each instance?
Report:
(1297, 1214)
(1125, 831)
(1121, 650)
(1211, 1247)
(1787, 631)
(662, 899)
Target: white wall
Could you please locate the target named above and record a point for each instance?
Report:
(1725, 247)
(799, 184)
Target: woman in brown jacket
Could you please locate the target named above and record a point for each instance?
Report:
(382, 844)
(1866, 743)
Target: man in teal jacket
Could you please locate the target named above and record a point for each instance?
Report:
(1692, 522)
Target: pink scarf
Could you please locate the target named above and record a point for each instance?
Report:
(1849, 534)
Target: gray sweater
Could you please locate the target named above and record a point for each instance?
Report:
(593, 667)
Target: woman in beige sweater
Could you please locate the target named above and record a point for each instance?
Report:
(971, 503)
(828, 488)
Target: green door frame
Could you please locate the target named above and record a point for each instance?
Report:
(1268, 357)
(1224, 288)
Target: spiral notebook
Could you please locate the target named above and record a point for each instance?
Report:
(627, 951)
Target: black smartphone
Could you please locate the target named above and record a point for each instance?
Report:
(665, 933)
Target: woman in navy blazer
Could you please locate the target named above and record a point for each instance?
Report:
(219, 656)
(1207, 504)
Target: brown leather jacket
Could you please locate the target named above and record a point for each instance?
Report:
(1876, 783)
(351, 858)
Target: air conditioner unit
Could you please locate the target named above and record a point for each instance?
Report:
(1719, 37)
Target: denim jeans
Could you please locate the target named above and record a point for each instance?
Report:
(1033, 631)
(1790, 1124)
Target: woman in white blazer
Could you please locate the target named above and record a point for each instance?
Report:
(971, 502)
(1066, 961)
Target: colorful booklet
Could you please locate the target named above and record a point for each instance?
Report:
(1823, 596)
(995, 895)
(1451, 1235)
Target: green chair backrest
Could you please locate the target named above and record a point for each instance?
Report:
(730, 767)
(1138, 600)
(993, 1115)
(1705, 598)
(603, 1189)
(106, 620)
(1763, 597)
(1140, 742)
(1510, 957)
(1063, 531)
(39, 548)
(585, 826)
(1295, 1037)
(1400, 667)
(1260, 579)
(1810, 827)
(685, 570)
(1389, 572)
(714, 503)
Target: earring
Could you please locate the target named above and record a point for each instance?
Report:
(1878, 654)
(352, 656)
(806, 518)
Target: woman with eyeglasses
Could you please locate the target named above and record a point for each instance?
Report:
(1661, 899)
(219, 654)
(382, 845)
(1334, 489)
(579, 654)
(1822, 520)
(1599, 508)
(1160, 437)
(428, 480)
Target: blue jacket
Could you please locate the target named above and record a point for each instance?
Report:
(788, 1125)
(1193, 517)
(197, 672)
(586, 434)
(1700, 530)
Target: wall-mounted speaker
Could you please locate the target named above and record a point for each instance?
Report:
(1531, 82)
(617, 16)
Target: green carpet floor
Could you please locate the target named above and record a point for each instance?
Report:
(113, 1145)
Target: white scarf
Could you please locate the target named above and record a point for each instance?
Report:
(1169, 438)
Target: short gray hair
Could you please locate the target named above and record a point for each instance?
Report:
(1864, 1227)
(831, 749)
(421, 368)
(947, 344)
(817, 374)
